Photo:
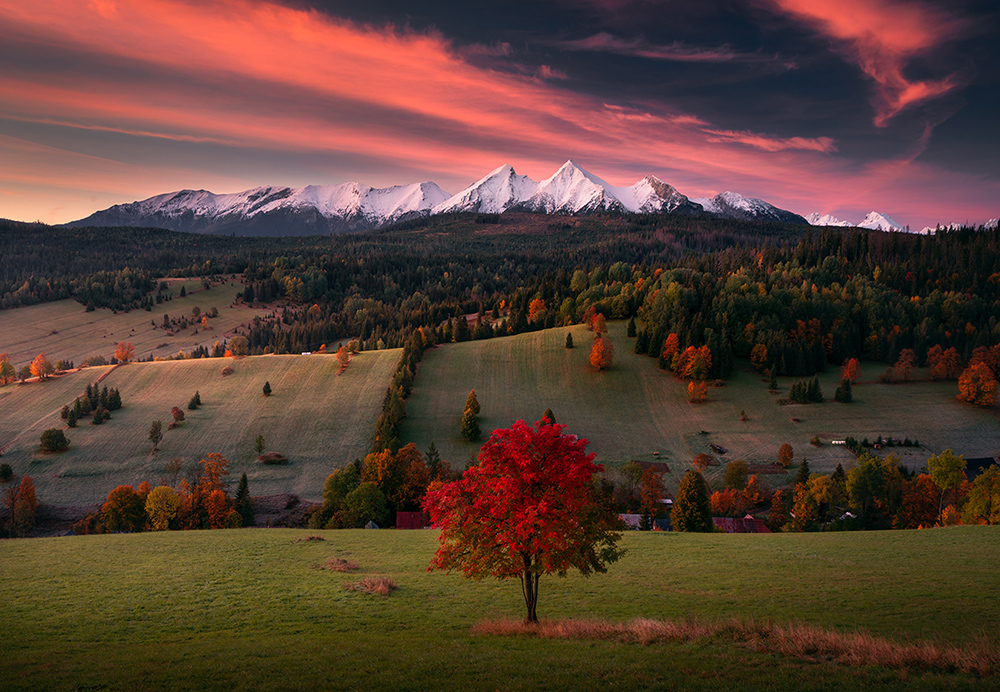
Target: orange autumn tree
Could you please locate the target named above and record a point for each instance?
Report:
(977, 385)
(602, 353)
(943, 364)
(904, 365)
(124, 351)
(343, 358)
(41, 367)
(697, 392)
(671, 347)
(651, 491)
(695, 363)
(758, 357)
(536, 310)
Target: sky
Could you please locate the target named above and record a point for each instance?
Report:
(831, 106)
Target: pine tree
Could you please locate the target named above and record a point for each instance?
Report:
(114, 400)
(548, 417)
(802, 477)
(844, 394)
(472, 403)
(267, 389)
(470, 426)
(630, 329)
(569, 340)
(772, 382)
(433, 458)
(243, 504)
(71, 418)
(692, 511)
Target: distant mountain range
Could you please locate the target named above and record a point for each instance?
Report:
(325, 209)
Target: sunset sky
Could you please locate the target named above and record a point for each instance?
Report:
(836, 106)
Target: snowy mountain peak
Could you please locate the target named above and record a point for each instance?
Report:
(733, 205)
(494, 194)
(817, 219)
(880, 222)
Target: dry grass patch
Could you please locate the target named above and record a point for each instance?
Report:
(306, 539)
(374, 585)
(339, 564)
(802, 641)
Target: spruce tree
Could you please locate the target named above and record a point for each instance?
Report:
(630, 330)
(267, 389)
(692, 511)
(470, 426)
(433, 459)
(802, 477)
(569, 340)
(71, 418)
(114, 400)
(772, 382)
(243, 503)
(548, 417)
(844, 394)
(472, 403)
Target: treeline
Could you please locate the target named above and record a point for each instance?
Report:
(799, 298)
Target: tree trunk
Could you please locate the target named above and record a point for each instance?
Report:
(529, 587)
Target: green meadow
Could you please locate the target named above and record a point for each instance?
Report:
(637, 411)
(252, 609)
(319, 420)
(64, 330)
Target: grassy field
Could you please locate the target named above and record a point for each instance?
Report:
(64, 330)
(319, 420)
(635, 409)
(251, 610)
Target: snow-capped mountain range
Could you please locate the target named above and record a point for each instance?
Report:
(321, 209)
(880, 222)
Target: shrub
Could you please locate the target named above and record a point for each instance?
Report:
(339, 564)
(376, 586)
(6, 473)
(53, 440)
(273, 459)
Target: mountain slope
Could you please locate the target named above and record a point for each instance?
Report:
(732, 205)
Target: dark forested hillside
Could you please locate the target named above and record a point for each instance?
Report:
(807, 297)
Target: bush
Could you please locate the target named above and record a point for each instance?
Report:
(53, 440)
(6, 473)
(273, 459)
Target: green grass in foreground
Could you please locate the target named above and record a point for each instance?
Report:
(250, 609)
(316, 418)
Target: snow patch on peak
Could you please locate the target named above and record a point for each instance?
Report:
(992, 223)
(878, 221)
(817, 219)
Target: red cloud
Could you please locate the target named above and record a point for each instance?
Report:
(881, 36)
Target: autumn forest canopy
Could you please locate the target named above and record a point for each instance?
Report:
(810, 297)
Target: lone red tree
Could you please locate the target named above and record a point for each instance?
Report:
(527, 509)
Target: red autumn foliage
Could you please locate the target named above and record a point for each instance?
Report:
(851, 370)
(527, 508)
(943, 364)
(919, 506)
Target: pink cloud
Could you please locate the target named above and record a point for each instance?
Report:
(880, 37)
(767, 143)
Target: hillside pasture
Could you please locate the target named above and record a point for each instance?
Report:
(64, 330)
(253, 609)
(317, 419)
(635, 411)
